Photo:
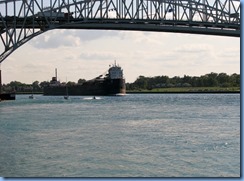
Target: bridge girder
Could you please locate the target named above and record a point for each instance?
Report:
(21, 20)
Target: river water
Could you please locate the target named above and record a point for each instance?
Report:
(137, 135)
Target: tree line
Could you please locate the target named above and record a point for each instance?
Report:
(36, 86)
(208, 80)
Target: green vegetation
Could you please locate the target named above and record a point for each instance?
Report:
(18, 87)
(212, 82)
(35, 87)
(187, 89)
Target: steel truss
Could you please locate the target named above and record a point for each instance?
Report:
(21, 20)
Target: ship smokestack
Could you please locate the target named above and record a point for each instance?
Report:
(56, 74)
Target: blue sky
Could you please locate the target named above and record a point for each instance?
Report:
(88, 53)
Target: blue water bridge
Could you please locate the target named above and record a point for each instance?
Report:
(21, 20)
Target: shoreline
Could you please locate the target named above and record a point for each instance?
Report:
(160, 92)
(188, 90)
(183, 92)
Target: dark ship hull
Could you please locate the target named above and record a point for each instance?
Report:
(95, 87)
(7, 96)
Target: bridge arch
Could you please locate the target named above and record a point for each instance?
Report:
(21, 20)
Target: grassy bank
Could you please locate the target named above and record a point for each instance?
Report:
(189, 90)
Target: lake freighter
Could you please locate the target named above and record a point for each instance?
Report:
(112, 83)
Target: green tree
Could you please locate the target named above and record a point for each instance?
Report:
(235, 80)
(36, 86)
(80, 81)
(176, 80)
(44, 84)
(15, 85)
(223, 79)
(141, 82)
(71, 83)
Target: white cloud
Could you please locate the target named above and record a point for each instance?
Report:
(68, 38)
(193, 48)
(54, 39)
(100, 56)
(88, 53)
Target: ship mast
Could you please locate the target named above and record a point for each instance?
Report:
(56, 73)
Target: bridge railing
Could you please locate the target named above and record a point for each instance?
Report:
(217, 11)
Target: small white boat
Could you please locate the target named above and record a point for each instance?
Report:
(92, 98)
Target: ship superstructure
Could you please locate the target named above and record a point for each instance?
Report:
(112, 83)
(115, 72)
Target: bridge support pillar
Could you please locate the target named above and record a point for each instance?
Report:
(0, 80)
(5, 96)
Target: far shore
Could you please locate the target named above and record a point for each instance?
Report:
(187, 90)
(160, 92)
(183, 92)
(175, 90)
